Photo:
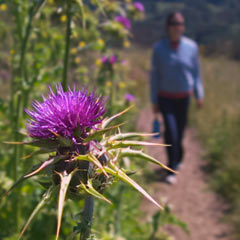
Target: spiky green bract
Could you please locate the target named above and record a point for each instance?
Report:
(87, 167)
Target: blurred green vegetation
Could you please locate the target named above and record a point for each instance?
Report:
(218, 125)
(32, 53)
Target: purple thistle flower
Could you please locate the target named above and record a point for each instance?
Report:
(124, 21)
(64, 113)
(129, 97)
(139, 6)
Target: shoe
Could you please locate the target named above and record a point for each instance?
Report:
(171, 179)
(180, 166)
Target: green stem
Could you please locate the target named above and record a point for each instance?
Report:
(119, 210)
(67, 46)
(17, 111)
(87, 217)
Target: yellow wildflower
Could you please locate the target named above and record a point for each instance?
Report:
(108, 84)
(75, 34)
(3, 7)
(128, 1)
(126, 44)
(77, 60)
(101, 42)
(73, 50)
(122, 85)
(63, 18)
(99, 62)
(82, 44)
(51, 1)
(12, 51)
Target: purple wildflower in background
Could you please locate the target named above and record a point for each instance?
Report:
(129, 97)
(123, 62)
(104, 59)
(139, 6)
(113, 59)
(124, 21)
(64, 113)
(109, 60)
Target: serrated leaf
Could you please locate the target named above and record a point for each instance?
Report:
(120, 174)
(65, 181)
(136, 153)
(92, 191)
(36, 210)
(14, 143)
(42, 166)
(95, 161)
(46, 143)
(109, 120)
(36, 170)
(91, 158)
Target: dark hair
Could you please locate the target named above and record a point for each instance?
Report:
(170, 18)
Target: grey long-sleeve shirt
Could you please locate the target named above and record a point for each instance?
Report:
(176, 70)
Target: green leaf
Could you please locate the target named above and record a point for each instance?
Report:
(46, 197)
(73, 235)
(36, 170)
(46, 143)
(41, 151)
(127, 143)
(41, 167)
(124, 136)
(65, 181)
(120, 174)
(100, 132)
(174, 220)
(162, 218)
(81, 5)
(92, 191)
(137, 153)
(91, 158)
(109, 120)
(7, 193)
(66, 142)
(101, 6)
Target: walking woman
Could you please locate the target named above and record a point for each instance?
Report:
(175, 76)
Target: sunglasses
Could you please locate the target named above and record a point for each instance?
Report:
(176, 24)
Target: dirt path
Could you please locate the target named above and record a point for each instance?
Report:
(190, 198)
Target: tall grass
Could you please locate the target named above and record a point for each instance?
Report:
(218, 125)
